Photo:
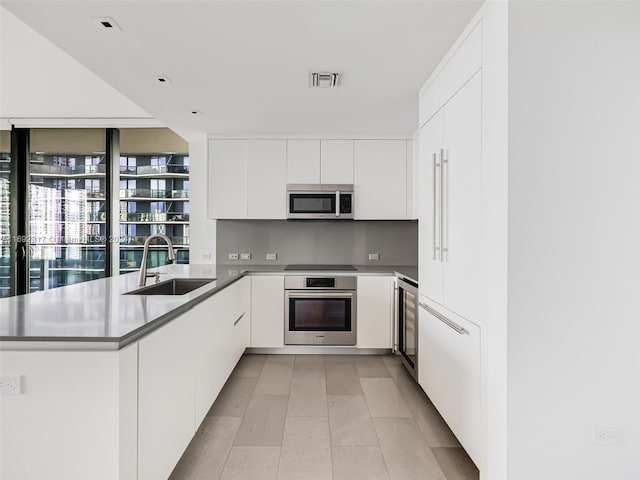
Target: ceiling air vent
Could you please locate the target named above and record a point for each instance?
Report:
(324, 79)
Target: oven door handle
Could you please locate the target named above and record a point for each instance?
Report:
(317, 294)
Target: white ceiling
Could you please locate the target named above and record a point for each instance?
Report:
(245, 64)
(40, 81)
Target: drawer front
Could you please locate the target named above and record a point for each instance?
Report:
(449, 373)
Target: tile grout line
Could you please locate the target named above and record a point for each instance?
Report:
(384, 460)
(326, 392)
(226, 460)
(286, 417)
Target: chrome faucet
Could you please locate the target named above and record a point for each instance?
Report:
(143, 266)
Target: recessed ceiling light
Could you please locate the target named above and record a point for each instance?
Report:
(162, 79)
(107, 23)
(324, 79)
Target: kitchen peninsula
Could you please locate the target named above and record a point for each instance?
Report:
(136, 374)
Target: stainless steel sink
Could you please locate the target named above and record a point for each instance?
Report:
(177, 286)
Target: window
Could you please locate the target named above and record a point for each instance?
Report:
(67, 200)
(157, 199)
(68, 206)
(5, 214)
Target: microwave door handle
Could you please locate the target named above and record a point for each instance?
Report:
(337, 203)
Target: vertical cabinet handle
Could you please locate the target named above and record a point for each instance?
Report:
(444, 193)
(436, 247)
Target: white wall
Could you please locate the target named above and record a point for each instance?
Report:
(203, 229)
(495, 155)
(574, 239)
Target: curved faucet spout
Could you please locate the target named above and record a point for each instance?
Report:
(143, 266)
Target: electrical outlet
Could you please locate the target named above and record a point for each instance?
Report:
(206, 256)
(11, 385)
(233, 273)
(245, 256)
(607, 436)
(272, 256)
(233, 256)
(374, 256)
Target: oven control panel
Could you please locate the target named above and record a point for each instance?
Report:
(299, 282)
(320, 282)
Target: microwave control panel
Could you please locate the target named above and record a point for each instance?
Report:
(345, 203)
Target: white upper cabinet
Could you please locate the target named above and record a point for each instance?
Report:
(228, 179)
(266, 179)
(380, 179)
(451, 251)
(337, 161)
(466, 61)
(429, 239)
(248, 178)
(464, 253)
(320, 161)
(303, 161)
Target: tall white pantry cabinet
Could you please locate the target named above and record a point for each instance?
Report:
(453, 139)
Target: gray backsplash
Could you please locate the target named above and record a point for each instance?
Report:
(318, 241)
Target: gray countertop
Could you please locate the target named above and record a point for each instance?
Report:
(96, 315)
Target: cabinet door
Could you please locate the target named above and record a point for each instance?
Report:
(227, 194)
(242, 318)
(449, 373)
(380, 179)
(463, 240)
(303, 161)
(210, 324)
(165, 398)
(336, 161)
(267, 311)
(267, 179)
(429, 264)
(374, 312)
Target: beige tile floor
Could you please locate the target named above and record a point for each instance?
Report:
(317, 417)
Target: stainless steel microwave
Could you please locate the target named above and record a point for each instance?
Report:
(319, 201)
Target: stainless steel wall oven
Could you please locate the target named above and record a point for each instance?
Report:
(320, 310)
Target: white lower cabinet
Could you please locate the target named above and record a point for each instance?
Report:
(267, 311)
(211, 342)
(182, 368)
(166, 397)
(449, 373)
(241, 334)
(374, 312)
